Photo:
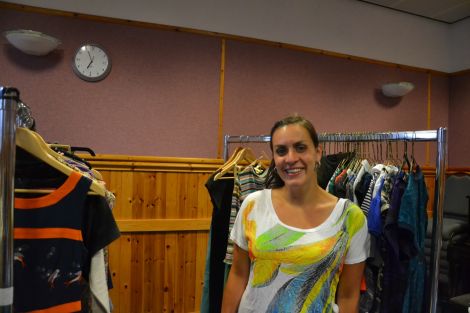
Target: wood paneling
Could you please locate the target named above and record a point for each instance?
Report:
(163, 210)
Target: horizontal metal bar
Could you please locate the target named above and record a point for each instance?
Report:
(419, 135)
(412, 136)
(243, 138)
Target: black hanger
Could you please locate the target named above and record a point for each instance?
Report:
(84, 149)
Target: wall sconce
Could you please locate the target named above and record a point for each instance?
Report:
(31, 42)
(395, 90)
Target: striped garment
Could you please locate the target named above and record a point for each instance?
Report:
(49, 249)
(247, 181)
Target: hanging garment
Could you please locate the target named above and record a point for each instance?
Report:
(328, 165)
(364, 169)
(101, 224)
(412, 221)
(365, 206)
(54, 238)
(220, 192)
(96, 298)
(250, 179)
(395, 262)
(361, 188)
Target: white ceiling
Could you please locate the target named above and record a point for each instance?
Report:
(447, 11)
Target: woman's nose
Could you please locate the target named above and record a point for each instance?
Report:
(292, 156)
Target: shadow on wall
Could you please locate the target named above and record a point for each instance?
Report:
(386, 102)
(32, 62)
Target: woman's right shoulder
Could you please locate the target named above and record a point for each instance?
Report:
(258, 194)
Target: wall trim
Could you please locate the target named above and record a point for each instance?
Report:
(163, 225)
(152, 164)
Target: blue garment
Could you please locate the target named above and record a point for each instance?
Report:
(395, 276)
(412, 223)
(365, 206)
(374, 221)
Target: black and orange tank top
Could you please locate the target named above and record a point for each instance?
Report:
(49, 252)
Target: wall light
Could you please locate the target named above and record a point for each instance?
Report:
(31, 42)
(395, 90)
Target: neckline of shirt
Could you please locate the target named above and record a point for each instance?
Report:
(328, 222)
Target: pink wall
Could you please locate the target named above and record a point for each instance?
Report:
(162, 95)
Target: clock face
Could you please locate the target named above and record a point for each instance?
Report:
(91, 63)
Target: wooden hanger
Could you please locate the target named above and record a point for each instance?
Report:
(243, 154)
(230, 159)
(34, 144)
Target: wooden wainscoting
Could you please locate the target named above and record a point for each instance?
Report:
(163, 211)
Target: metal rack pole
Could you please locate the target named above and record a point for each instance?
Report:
(8, 106)
(437, 221)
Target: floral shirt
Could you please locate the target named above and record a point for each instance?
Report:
(292, 269)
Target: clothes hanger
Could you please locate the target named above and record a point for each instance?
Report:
(70, 155)
(406, 161)
(228, 162)
(244, 154)
(230, 159)
(414, 164)
(34, 144)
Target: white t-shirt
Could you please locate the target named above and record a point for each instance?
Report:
(293, 269)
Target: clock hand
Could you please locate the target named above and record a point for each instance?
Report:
(89, 55)
(91, 61)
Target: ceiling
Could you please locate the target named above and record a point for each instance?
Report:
(447, 11)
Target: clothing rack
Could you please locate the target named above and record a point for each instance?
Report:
(9, 97)
(439, 135)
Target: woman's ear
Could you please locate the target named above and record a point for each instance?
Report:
(319, 151)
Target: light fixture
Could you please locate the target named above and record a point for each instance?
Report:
(397, 89)
(31, 42)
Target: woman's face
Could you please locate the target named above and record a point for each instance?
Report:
(295, 155)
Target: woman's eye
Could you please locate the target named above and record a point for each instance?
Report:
(300, 148)
(281, 151)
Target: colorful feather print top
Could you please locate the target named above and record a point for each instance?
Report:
(292, 269)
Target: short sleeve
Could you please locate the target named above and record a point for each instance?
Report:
(360, 243)
(238, 231)
(99, 227)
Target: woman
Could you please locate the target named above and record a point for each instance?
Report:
(297, 247)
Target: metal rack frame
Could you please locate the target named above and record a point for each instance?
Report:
(439, 135)
(9, 98)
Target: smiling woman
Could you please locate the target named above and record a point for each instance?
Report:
(297, 247)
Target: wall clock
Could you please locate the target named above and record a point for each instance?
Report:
(91, 62)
